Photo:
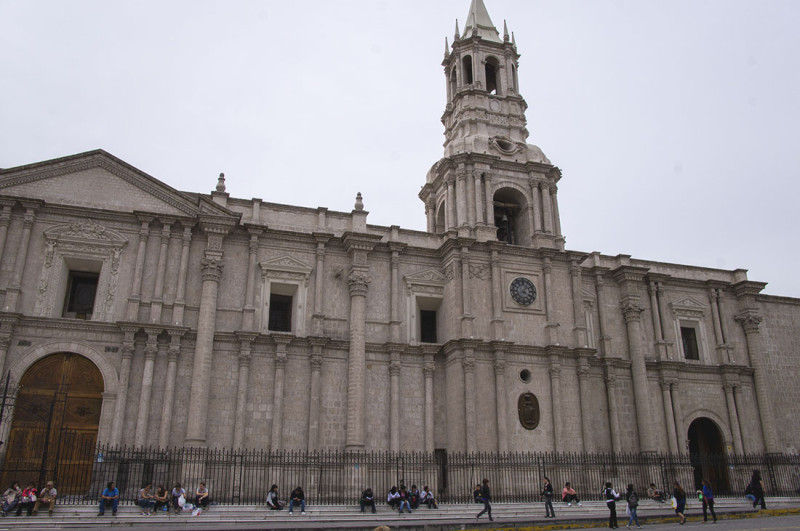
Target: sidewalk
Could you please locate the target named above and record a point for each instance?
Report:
(447, 517)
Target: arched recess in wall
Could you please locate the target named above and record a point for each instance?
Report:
(511, 216)
(453, 83)
(707, 454)
(441, 219)
(466, 70)
(55, 422)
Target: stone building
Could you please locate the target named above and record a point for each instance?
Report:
(134, 313)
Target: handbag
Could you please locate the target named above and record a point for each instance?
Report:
(674, 503)
(33, 497)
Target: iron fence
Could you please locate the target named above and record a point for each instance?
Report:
(332, 478)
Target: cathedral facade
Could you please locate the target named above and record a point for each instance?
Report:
(133, 313)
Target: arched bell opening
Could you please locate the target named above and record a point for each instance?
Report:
(511, 217)
(707, 454)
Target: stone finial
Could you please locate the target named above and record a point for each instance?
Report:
(359, 203)
(221, 183)
(505, 31)
(456, 36)
(446, 48)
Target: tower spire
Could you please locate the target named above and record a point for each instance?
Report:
(479, 23)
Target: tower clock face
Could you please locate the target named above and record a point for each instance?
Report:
(523, 291)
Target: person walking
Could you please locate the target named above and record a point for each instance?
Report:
(756, 487)
(680, 501)
(611, 497)
(633, 503)
(486, 497)
(708, 501)
(547, 494)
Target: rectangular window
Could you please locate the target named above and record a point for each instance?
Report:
(280, 313)
(81, 290)
(427, 320)
(689, 338)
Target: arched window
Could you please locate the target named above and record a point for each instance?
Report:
(492, 78)
(467, 69)
(514, 78)
(510, 217)
(452, 85)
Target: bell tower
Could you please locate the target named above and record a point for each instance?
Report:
(491, 184)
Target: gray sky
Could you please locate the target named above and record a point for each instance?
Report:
(675, 122)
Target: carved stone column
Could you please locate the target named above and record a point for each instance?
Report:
(143, 414)
(358, 282)
(537, 206)
(487, 183)
(161, 270)
(461, 198)
(498, 332)
(15, 285)
(180, 292)
(428, 370)
(245, 355)
(738, 390)
(667, 332)
(276, 441)
(479, 210)
(5, 221)
(552, 324)
(613, 416)
(578, 316)
(547, 208)
(677, 408)
(318, 319)
(669, 415)
(394, 386)
(122, 395)
(750, 323)
(602, 302)
(450, 210)
(500, 399)
(584, 399)
(468, 365)
(316, 391)
(733, 418)
(555, 214)
(430, 213)
(136, 288)
(169, 390)
(632, 313)
(466, 298)
(394, 300)
(211, 269)
(555, 394)
(248, 313)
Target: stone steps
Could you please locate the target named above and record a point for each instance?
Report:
(349, 516)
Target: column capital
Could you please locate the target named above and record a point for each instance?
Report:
(394, 368)
(211, 269)
(358, 282)
(316, 362)
(280, 360)
(750, 321)
(468, 363)
(499, 366)
(428, 369)
(127, 350)
(631, 310)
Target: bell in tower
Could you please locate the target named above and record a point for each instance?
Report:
(491, 184)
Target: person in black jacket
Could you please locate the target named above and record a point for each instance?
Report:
(486, 495)
(547, 494)
(611, 497)
(367, 498)
(298, 497)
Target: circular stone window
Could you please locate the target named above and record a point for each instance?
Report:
(525, 375)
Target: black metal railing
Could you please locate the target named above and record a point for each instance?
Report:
(244, 476)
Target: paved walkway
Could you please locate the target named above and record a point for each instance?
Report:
(448, 517)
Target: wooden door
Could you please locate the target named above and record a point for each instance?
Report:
(56, 418)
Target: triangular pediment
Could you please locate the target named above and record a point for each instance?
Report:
(98, 180)
(286, 263)
(688, 307)
(426, 276)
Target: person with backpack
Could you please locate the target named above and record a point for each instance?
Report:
(633, 503)
(611, 498)
(756, 488)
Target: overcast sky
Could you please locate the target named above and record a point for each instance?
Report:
(676, 122)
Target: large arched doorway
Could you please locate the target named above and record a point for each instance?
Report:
(56, 419)
(707, 454)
